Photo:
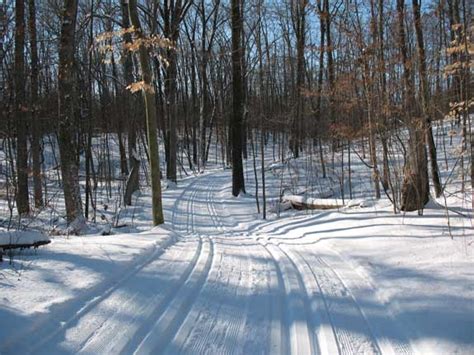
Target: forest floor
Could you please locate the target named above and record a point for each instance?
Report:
(218, 279)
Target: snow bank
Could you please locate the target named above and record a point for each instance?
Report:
(12, 239)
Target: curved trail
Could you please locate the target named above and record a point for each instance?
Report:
(306, 306)
(217, 320)
(322, 310)
(232, 287)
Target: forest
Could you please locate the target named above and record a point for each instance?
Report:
(314, 76)
(179, 127)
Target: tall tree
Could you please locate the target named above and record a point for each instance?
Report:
(150, 112)
(330, 59)
(424, 88)
(67, 135)
(3, 30)
(238, 183)
(129, 102)
(128, 78)
(173, 12)
(208, 33)
(319, 104)
(21, 110)
(35, 126)
(298, 8)
(415, 189)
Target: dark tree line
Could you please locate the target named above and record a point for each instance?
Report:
(309, 76)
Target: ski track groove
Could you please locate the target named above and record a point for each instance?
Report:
(236, 333)
(384, 334)
(272, 330)
(322, 324)
(97, 300)
(340, 308)
(195, 335)
(297, 337)
(167, 323)
(188, 213)
(280, 335)
(104, 326)
(215, 324)
(168, 295)
(259, 323)
(144, 329)
(94, 300)
(384, 346)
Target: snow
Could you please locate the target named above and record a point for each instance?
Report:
(63, 281)
(14, 237)
(322, 203)
(216, 278)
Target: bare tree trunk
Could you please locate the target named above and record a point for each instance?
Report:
(129, 99)
(299, 23)
(173, 12)
(238, 184)
(172, 116)
(36, 132)
(67, 137)
(425, 98)
(370, 106)
(132, 181)
(320, 84)
(90, 118)
(120, 119)
(150, 111)
(204, 106)
(415, 189)
(22, 202)
(331, 70)
(262, 108)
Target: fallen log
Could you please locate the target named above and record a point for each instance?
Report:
(21, 240)
(308, 203)
(24, 246)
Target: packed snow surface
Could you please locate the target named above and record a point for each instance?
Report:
(217, 279)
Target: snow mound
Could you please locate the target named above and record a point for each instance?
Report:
(21, 238)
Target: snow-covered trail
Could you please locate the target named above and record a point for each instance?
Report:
(231, 284)
(263, 297)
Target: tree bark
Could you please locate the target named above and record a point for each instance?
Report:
(36, 132)
(67, 137)
(129, 99)
(238, 183)
(425, 98)
(415, 189)
(299, 20)
(20, 111)
(150, 112)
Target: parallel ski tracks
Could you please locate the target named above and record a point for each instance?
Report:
(177, 307)
(307, 307)
(312, 310)
(47, 332)
(297, 332)
(126, 338)
(342, 309)
(181, 293)
(99, 330)
(217, 321)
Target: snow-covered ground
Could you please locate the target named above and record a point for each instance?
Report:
(217, 280)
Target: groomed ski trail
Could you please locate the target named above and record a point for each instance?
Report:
(229, 285)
